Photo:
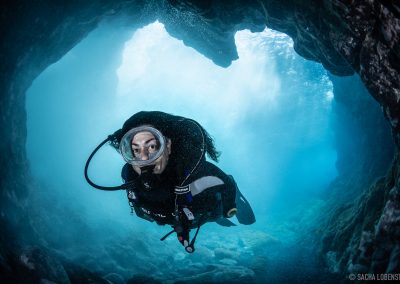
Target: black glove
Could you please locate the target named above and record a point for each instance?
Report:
(185, 218)
(182, 232)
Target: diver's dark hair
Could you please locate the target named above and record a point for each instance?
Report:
(210, 146)
(182, 131)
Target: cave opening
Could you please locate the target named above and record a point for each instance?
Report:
(270, 113)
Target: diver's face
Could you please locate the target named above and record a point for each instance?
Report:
(144, 145)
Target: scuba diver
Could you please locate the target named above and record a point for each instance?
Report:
(167, 177)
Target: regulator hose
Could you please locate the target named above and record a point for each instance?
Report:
(108, 188)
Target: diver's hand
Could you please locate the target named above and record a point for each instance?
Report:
(183, 235)
(182, 225)
(183, 238)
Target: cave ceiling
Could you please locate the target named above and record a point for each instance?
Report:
(344, 36)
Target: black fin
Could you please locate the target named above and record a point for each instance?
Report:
(225, 222)
(245, 214)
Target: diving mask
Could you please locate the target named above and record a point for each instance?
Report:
(142, 146)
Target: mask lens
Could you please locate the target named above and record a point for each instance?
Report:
(141, 146)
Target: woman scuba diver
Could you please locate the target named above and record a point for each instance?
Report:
(167, 177)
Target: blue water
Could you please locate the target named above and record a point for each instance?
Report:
(269, 112)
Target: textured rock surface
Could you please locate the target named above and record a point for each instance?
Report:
(353, 207)
(374, 245)
(345, 36)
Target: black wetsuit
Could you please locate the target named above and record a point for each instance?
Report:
(210, 194)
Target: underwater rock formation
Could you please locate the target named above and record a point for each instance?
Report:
(345, 36)
(354, 205)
